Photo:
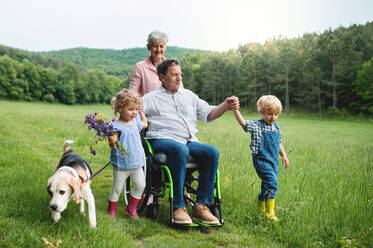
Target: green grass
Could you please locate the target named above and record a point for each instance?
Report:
(325, 197)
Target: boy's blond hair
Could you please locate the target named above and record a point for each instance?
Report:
(123, 98)
(269, 104)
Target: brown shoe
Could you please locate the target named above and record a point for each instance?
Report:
(202, 213)
(181, 216)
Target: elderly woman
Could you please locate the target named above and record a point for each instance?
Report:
(144, 77)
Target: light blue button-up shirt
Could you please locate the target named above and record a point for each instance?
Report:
(131, 141)
(174, 116)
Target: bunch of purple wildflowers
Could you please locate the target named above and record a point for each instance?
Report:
(104, 129)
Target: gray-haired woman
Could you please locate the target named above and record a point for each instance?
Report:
(144, 77)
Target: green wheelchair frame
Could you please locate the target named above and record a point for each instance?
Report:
(159, 190)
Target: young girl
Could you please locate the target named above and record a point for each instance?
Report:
(266, 146)
(127, 164)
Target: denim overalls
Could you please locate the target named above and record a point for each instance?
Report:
(266, 162)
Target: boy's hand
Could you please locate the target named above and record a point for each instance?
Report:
(232, 103)
(285, 161)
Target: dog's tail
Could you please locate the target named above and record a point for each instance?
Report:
(66, 145)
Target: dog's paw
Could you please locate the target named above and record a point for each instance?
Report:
(92, 223)
(56, 216)
(69, 142)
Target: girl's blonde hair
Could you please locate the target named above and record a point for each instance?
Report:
(269, 104)
(123, 98)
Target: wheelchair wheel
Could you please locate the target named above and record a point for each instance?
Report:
(126, 191)
(214, 210)
(152, 211)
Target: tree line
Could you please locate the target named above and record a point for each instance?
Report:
(113, 62)
(79, 75)
(69, 85)
(327, 73)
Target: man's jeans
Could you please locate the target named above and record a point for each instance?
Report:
(207, 157)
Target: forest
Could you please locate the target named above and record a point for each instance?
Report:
(72, 76)
(330, 73)
(327, 73)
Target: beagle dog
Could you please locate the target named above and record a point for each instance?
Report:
(71, 180)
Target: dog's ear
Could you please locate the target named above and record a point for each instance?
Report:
(49, 187)
(49, 190)
(76, 186)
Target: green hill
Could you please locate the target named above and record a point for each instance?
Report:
(114, 62)
(36, 58)
(78, 75)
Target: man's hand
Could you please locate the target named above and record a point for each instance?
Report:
(229, 104)
(232, 103)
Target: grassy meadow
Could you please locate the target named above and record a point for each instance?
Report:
(325, 197)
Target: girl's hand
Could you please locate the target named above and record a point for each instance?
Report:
(113, 140)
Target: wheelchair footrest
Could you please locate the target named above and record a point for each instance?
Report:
(202, 224)
(185, 225)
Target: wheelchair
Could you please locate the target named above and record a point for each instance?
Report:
(159, 181)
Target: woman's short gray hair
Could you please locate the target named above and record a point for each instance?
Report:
(157, 36)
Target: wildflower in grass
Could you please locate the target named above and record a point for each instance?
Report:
(348, 242)
(50, 244)
(104, 129)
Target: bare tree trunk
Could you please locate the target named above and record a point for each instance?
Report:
(269, 80)
(213, 89)
(213, 86)
(254, 93)
(247, 100)
(334, 87)
(319, 95)
(270, 88)
(287, 89)
(229, 85)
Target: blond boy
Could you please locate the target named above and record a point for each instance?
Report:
(266, 146)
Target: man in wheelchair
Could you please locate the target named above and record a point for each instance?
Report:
(172, 114)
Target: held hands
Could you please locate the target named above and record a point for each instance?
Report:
(232, 103)
(228, 104)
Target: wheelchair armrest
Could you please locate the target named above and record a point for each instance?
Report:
(160, 157)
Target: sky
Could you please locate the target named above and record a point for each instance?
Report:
(218, 25)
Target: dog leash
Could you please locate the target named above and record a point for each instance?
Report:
(99, 171)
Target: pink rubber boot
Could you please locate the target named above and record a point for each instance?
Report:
(131, 209)
(112, 209)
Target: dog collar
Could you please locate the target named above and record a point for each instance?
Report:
(89, 176)
(74, 173)
(69, 169)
